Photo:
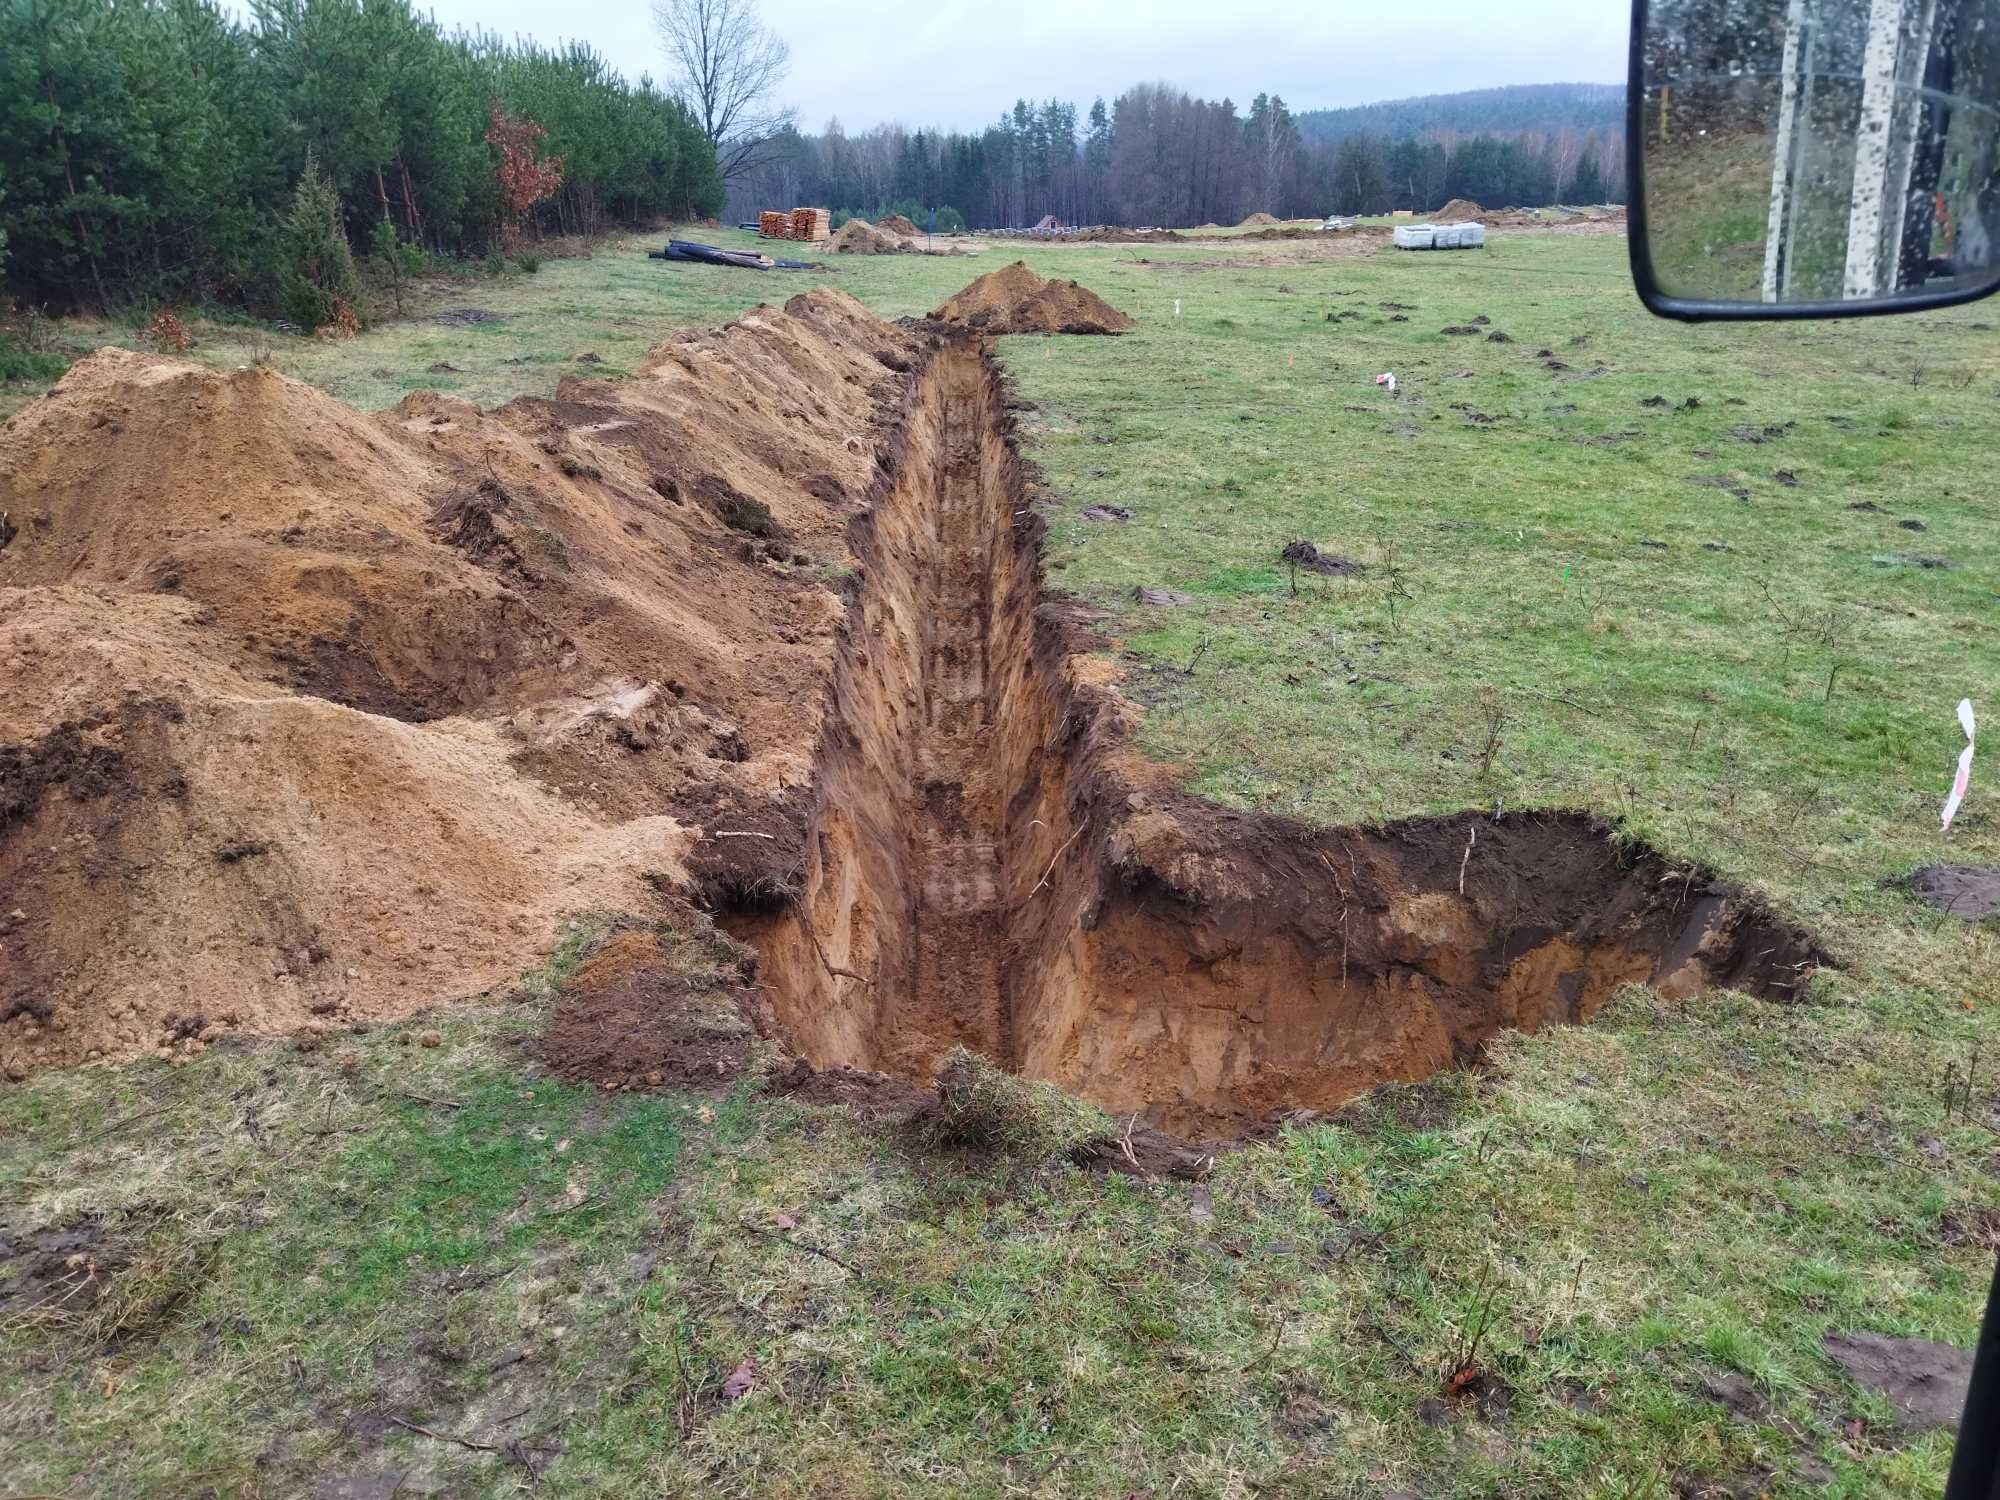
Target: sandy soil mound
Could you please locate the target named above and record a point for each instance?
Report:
(1014, 299)
(1259, 220)
(312, 713)
(859, 237)
(1458, 211)
(897, 224)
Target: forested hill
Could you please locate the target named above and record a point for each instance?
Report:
(1503, 111)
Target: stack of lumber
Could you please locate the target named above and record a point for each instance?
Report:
(774, 226)
(812, 224)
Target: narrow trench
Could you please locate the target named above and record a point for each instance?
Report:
(988, 864)
(959, 830)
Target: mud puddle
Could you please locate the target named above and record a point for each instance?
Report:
(986, 863)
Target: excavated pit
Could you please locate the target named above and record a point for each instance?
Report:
(986, 863)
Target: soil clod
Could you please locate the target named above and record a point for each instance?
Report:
(1308, 556)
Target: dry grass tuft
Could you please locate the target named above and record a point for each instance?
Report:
(102, 1296)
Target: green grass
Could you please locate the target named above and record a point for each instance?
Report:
(1673, 1194)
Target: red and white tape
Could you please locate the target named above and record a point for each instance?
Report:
(1964, 777)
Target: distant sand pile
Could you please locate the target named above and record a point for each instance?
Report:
(1259, 220)
(1458, 211)
(859, 237)
(897, 224)
(1014, 299)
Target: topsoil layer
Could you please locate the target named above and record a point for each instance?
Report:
(1014, 299)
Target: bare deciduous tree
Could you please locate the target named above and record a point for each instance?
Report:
(730, 67)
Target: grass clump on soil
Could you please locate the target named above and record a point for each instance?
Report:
(983, 1109)
(751, 517)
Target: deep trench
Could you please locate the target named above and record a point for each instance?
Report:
(987, 864)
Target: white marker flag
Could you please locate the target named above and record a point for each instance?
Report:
(1964, 777)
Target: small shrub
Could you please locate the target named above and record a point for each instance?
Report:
(495, 263)
(524, 176)
(752, 517)
(578, 468)
(342, 322)
(167, 333)
(30, 364)
(984, 1108)
(396, 260)
(528, 261)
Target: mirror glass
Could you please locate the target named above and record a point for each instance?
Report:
(1820, 151)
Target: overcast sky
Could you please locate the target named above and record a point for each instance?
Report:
(959, 63)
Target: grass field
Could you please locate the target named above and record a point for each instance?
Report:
(1636, 583)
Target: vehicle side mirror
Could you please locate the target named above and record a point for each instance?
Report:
(1814, 158)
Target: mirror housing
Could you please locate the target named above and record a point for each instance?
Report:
(1813, 158)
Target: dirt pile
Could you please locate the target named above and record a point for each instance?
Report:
(1014, 299)
(859, 237)
(1458, 211)
(897, 224)
(310, 714)
(1259, 220)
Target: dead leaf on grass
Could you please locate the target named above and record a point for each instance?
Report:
(740, 1380)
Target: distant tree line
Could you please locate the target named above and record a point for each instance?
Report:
(1159, 156)
(153, 149)
(1517, 109)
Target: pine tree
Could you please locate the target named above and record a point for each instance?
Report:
(316, 282)
(1588, 184)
